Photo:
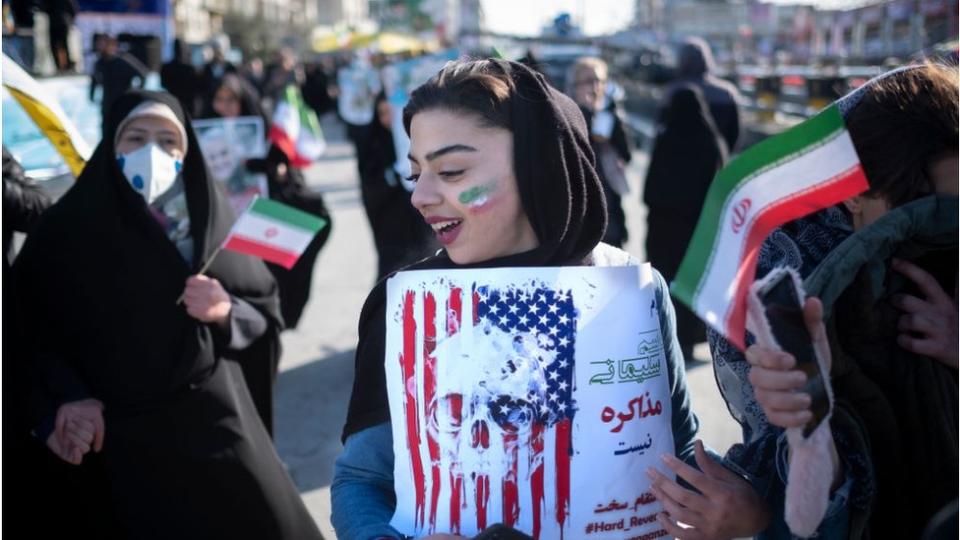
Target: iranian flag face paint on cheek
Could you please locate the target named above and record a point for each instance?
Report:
(477, 198)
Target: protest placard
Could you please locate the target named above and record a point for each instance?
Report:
(358, 85)
(226, 144)
(535, 397)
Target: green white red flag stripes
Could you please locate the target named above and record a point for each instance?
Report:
(809, 167)
(274, 232)
(296, 130)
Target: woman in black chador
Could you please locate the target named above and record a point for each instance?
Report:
(687, 154)
(234, 97)
(152, 386)
(399, 233)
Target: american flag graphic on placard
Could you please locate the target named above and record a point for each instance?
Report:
(499, 438)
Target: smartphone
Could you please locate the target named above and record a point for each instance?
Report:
(783, 309)
(499, 531)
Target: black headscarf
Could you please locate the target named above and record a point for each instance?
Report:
(247, 95)
(400, 234)
(376, 152)
(694, 58)
(686, 156)
(559, 191)
(98, 281)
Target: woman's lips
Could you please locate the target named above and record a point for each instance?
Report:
(446, 229)
(448, 235)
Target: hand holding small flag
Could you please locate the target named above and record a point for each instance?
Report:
(206, 300)
(269, 230)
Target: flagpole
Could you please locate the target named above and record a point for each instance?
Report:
(203, 269)
(206, 265)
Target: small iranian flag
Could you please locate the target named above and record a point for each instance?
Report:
(807, 168)
(274, 232)
(296, 130)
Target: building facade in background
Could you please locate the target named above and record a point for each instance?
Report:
(349, 12)
(745, 30)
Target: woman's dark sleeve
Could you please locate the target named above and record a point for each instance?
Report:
(41, 344)
(23, 200)
(620, 140)
(368, 399)
(362, 495)
(246, 324)
(684, 422)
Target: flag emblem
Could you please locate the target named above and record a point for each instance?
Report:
(740, 214)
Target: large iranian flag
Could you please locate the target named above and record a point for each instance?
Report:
(296, 130)
(274, 232)
(807, 168)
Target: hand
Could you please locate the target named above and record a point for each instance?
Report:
(929, 324)
(775, 383)
(726, 507)
(79, 427)
(206, 300)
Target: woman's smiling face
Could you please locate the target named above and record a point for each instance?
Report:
(466, 186)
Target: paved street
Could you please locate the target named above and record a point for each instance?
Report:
(317, 364)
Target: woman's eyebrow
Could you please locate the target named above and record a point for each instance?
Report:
(445, 150)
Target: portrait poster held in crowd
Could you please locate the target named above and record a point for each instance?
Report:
(399, 80)
(527, 396)
(226, 144)
(359, 85)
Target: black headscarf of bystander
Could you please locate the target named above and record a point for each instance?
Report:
(400, 234)
(182, 79)
(695, 66)
(245, 93)
(686, 156)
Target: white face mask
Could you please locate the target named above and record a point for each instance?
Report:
(150, 170)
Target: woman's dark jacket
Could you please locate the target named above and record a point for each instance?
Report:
(904, 405)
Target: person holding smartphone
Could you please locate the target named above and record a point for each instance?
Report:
(904, 127)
